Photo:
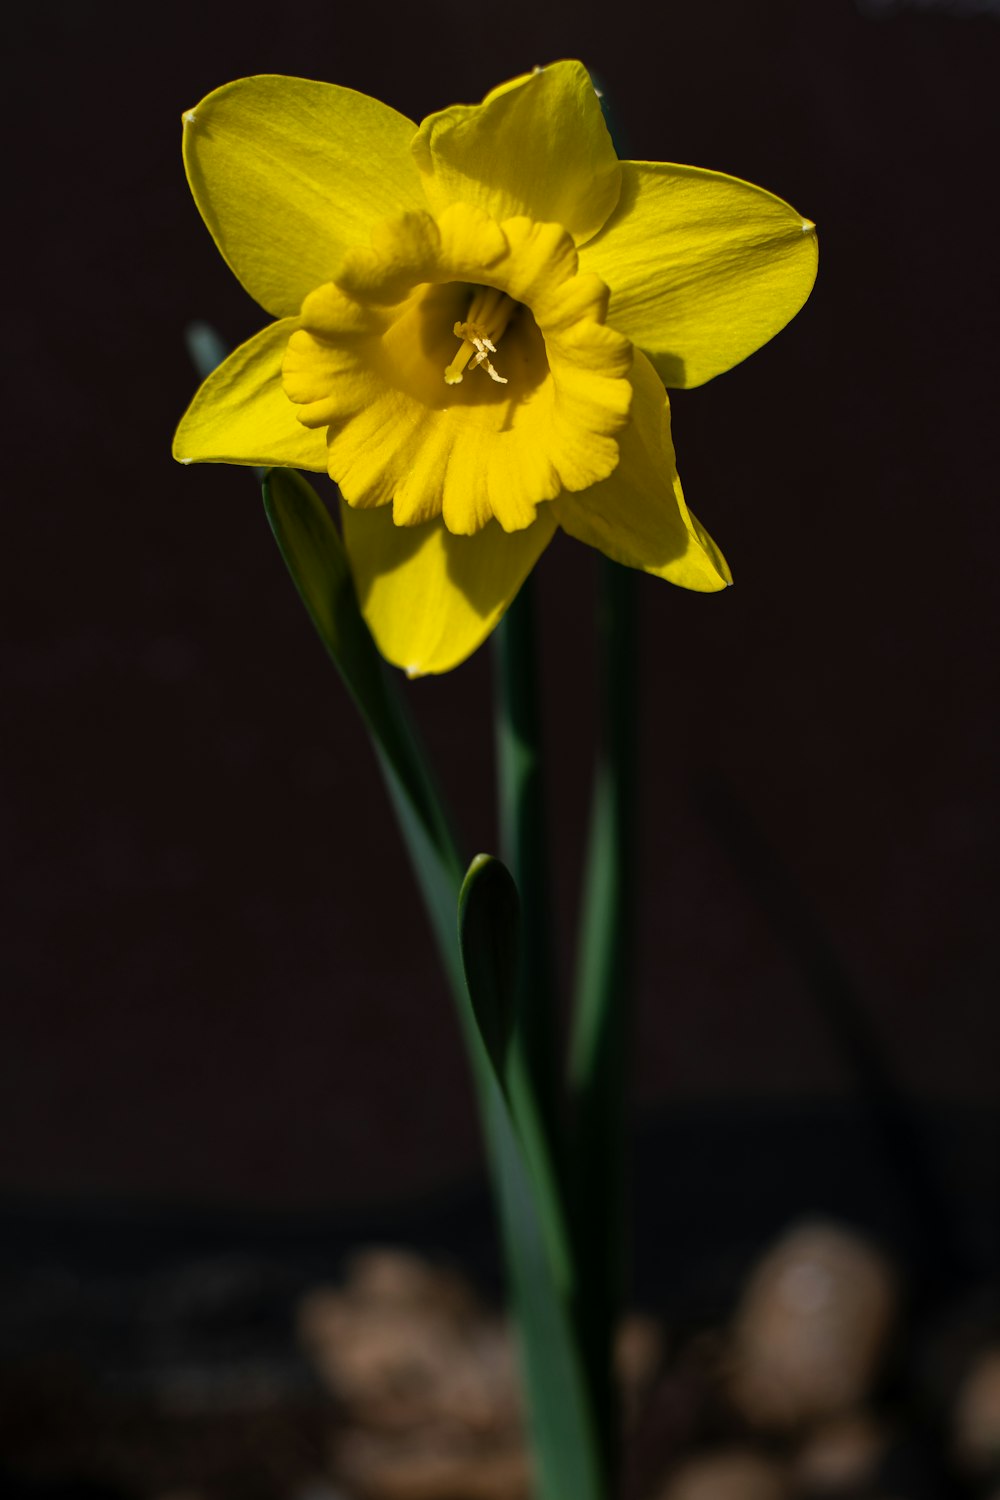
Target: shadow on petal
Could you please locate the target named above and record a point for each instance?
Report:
(431, 598)
(638, 516)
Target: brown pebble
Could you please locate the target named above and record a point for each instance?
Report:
(977, 1415)
(840, 1455)
(428, 1468)
(811, 1328)
(403, 1344)
(738, 1474)
(637, 1357)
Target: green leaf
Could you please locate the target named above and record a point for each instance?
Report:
(314, 554)
(205, 347)
(565, 1434)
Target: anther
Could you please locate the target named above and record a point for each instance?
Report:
(489, 314)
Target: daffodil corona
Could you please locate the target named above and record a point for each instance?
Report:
(476, 320)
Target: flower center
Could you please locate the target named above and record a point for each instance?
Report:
(489, 313)
(380, 354)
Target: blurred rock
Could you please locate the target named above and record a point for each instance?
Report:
(735, 1475)
(678, 1415)
(977, 1416)
(811, 1328)
(840, 1455)
(638, 1355)
(320, 1489)
(423, 1467)
(426, 1381)
(403, 1342)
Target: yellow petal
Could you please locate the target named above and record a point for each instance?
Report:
(638, 517)
(703, 268)
(241, 415)
(288, 173)
(537, 146)
(431, 598)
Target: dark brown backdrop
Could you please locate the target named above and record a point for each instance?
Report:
(217, 980)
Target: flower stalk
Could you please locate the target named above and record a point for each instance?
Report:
(604, 1001)
(522, 826)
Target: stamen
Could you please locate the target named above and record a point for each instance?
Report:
(489, 314)
(453, 374)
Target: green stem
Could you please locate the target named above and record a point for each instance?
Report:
(602, 1022)
(521, 804)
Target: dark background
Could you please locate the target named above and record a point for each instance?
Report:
(219, 990)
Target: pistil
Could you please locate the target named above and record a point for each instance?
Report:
(489, 314)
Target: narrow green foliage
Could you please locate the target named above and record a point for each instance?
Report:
(522, 818)
(206, 348)
(564, 1430)
(314, 553)
(602, 1017)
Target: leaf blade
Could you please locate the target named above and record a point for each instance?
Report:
(315, 557)
(564, 1431)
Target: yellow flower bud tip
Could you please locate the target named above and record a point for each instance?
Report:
(190, 117)
(489, 313)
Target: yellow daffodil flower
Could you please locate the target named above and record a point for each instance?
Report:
(475, 322)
